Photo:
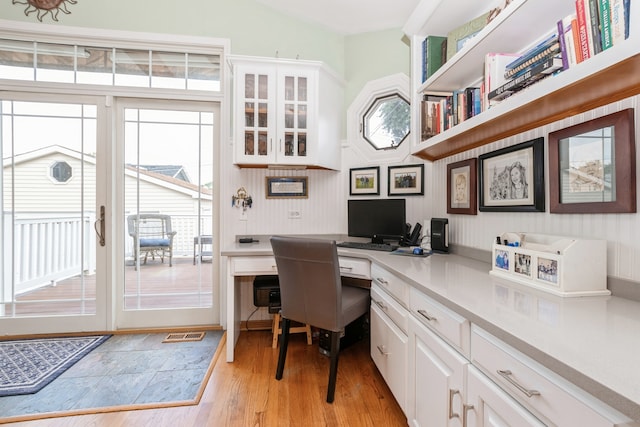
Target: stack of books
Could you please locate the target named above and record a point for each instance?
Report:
(542, 60)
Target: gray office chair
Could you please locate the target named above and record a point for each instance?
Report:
(311, 293)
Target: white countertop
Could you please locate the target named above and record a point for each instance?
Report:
(592, 341)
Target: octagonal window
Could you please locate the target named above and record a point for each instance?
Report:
(61, 171)
(387, 122)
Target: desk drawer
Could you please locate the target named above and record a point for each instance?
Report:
(551, 397)
(391, 284)
(390, 307)
(355, 267)
(444, 321)
(253, 265)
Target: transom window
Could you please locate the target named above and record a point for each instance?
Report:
(387, 122)
(112, 66)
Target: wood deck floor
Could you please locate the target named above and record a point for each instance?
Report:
(246, 393)
(154, 285)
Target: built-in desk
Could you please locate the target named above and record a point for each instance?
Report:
(593, 342)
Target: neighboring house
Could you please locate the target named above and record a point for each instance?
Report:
(46, 200)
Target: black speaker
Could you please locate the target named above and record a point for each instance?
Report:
(440, 235)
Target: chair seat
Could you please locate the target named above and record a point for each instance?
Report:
(355, 301)
(145, 243)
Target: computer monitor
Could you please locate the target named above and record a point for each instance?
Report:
(382, 218)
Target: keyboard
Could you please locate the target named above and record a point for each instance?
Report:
(368, 245)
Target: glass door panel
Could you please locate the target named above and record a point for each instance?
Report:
(49, 199)
(168, 209)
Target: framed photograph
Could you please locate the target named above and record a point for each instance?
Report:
(364, 181)
(286, 187)
(512, 178)
(501, 259)
(522, 264)
(548, 270)
(457, 38)
(406, 180)
(592, 166)
(461, 187)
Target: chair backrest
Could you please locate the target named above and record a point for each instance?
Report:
(310, 286)
(149, 226)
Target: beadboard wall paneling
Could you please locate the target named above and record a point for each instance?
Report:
(622, 231)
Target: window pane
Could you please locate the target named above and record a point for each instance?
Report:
(203, 72)
(16, 60)
(95, 66)
(168, 70)
(132, 68)
(55, 63)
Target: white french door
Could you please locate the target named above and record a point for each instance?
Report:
(53, 181)
(166, 263)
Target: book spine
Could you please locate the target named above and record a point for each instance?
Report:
(568, 39)
(563, 46)
(551, 50)
(540, 47)
(594, 16)
(536, 63)
(617, 21)
(582, 29)
(477, 101)
(627, 12)
(540, 71)
(424, 60)
(605, 24)
(576, 40)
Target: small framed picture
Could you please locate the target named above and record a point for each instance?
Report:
(364, 181)
(501, 259)
(284, 187)
(512, 178)
(548, 270)
(522, 264)
(406, 180)
(461, 187)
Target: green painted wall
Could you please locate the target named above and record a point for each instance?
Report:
(253, 28)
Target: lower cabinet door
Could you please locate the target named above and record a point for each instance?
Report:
(436, 391)
(389, 353)
(490, 406)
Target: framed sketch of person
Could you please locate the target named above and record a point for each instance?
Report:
(592, 166)
(512, 178)
(461, 187)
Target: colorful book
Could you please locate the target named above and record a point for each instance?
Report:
(540, 47)
(617, 21)
(594, 33)
(430, 113)
(605, 24)
(627, 12)
(432, 56)
(551, 50)
(576, 40)
(535, 74)
(582, 29)
(563, 45)
(567, 27)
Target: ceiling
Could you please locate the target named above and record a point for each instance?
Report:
(348, 16)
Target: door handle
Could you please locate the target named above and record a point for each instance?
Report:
(100, 232)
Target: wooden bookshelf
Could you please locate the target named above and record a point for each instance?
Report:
(608, 77)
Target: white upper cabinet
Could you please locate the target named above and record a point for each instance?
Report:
(286, 113)
(602, 79)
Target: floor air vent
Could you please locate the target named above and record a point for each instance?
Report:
(184, 336)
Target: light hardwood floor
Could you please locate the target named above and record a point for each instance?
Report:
(246, 393)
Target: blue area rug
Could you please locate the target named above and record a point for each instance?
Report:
(26, 366)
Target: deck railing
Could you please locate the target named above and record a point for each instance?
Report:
(42, 248)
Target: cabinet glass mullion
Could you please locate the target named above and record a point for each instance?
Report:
(295, 116)
(256, 114)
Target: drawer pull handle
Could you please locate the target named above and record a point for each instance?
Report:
(381, 350)
(451, 394)
(381, 280)
(346, 268)
(380, 304)
(506, 374)
(427, 316)
(465, 410)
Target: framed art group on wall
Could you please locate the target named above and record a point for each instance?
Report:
(406, 180)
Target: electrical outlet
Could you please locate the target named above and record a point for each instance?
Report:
(295, 215)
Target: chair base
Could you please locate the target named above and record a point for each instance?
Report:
(277, 331)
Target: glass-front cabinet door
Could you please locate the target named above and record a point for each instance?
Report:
(277, 111)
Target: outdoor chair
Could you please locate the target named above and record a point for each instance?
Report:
(311, 292)
(152, 235)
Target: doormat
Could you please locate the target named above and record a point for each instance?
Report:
(26, 366)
